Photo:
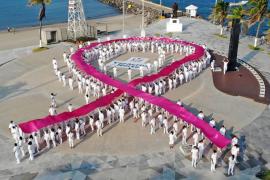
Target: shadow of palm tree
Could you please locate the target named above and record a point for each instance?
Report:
(7, 91)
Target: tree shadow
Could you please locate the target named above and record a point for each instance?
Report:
(250, 56)
(15, 89)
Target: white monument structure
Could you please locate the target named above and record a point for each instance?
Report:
(77, 26)
(191, 10)
(174, 25)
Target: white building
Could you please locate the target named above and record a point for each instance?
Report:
(191, 10)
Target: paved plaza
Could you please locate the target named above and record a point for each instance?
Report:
(128, 151)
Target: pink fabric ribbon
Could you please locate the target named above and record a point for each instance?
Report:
(212, 134)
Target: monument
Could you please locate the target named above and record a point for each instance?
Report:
(174, 25)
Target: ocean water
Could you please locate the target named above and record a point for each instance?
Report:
(16, 13)
(205, 8)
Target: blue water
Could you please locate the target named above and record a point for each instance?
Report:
(205, 8)
(16, 13)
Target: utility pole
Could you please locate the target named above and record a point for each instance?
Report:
(123, 18)
(142, 30)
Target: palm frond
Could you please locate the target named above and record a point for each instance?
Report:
(37, 2)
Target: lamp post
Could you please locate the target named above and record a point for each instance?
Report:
(123, 18)
(142, 30)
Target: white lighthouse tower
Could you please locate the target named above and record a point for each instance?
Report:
(77, 26)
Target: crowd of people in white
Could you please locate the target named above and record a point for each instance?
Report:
(150, 115)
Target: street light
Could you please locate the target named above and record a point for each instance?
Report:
(142, 30)
(123, 23)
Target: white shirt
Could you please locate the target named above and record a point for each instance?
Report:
(214, 158)
(231, 161)
(98, 124)
(171, 138)
(70, 136)
(194, 152)
(200, 115)
(69, 108)
(201, 146)
(222, 131)
(121, 111)
(165, 122)
(184, 132)
(195, 137)
(46, 136)
(212, 123)
(153, 122)
(52, 135)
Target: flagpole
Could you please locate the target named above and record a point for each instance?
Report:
(123, 23)
(142, 30)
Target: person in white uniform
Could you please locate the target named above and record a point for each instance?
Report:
(68, 128)
(232, 162)
(212, 65)
(91, 122)
(99, 128)
(52, 137)
(225, 65)
(17, 153)
(195, 138)
(213, 160)
(121, 114)
(101, 118)
(20, 145)
(152, 126)
(141, 71)
(129, 72)
(235, 150)
(77, 129)
(222, 130)
(165, 125)
(87, 98)
(184, 135)
(52, 111)
(201, 148)
(70, 83)
(70, 108)
(114, 72)
(144, 119)
(59, 130)
(63, 77)
(212, 123)
(172, 139)
(71, 139)
(47, 139)
(194, 156)
(175, 127)
(31, 151)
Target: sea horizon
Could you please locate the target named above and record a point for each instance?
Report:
(20, 15)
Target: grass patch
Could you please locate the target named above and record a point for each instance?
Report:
(255, 48)
(170, 34)
(157, 34)
(221, 36)
(39, 49)
(268, 53)
(81, 40)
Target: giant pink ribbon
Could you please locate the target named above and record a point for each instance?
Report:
(211, 133)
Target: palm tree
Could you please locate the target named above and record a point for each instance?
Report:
(257, 12)
(220, 13)
(42, 13)
(237, 16)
